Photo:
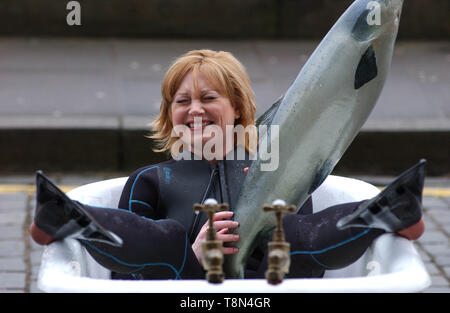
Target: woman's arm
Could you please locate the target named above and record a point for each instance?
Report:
(141, 192)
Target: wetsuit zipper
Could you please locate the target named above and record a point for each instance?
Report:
(224, 198)
(197, 217)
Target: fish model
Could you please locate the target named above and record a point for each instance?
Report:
(318, 118)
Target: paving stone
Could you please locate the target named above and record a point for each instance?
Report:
(79, 180)
(12, 200)
(433, 237)
(441, 216)
(12, 280)
(12, 265)
(447, 271)
(439, 281)
(8, 232)
(2, 290)
(430, 224)
(11, 249)
(436, 249)
(434, 202)
(446, 200)
(17, 179)
(8, 206)
(12, 218)
(432, 269)
(443, 260)
(446, 228)
(437, 290)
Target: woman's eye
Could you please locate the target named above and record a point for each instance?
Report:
(181, 101)
(209, 98)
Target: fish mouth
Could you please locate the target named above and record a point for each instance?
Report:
(375, 18)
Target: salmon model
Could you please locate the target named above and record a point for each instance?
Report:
(319, 116)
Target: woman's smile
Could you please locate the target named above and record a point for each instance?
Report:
(198, 123)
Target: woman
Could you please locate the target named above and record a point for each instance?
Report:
(160, 234)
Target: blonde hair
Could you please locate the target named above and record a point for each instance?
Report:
(225, 73)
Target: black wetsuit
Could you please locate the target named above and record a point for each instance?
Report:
(157, 224)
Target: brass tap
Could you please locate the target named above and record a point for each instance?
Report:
(212, 255)
(279, 259)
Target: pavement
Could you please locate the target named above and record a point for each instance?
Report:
(62, 96)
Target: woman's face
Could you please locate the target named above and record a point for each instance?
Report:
(205, 106)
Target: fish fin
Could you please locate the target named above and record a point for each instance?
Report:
(367, 68)
(267, 117)
(321, 174)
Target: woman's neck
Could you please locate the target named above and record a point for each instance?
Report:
(212, 157)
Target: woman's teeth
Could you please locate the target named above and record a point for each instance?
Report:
(199, 125)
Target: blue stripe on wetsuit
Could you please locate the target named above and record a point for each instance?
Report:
(132, 188)
(142, 266)
(141, 202)
(318, 252)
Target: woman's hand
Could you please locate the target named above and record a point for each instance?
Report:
(221, 227)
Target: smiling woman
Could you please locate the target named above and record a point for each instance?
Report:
(209, 85)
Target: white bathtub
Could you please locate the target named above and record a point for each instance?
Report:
(391, 264)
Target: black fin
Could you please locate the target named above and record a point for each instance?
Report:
(395, 208)
(367, 68)
(61, 217)
(267, 117)
(321, 174)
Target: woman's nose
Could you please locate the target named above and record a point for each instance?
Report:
(196, 108)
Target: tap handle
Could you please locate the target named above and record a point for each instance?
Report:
(212, 255)
(279, 207)
(210, 206)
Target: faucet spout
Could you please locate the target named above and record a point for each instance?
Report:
(279, 259)
(212, 255)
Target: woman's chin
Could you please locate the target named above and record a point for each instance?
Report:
(207, 148)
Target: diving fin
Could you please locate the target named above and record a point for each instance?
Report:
(58, 217)
(395, 208)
